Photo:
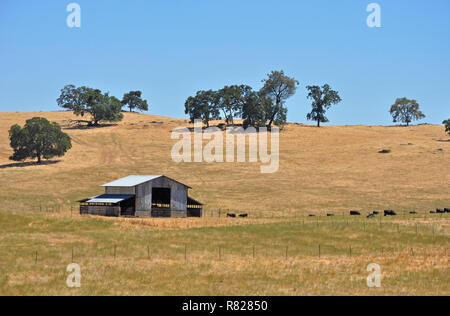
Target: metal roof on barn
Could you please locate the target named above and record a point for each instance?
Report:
(132, 181)
(109, 198)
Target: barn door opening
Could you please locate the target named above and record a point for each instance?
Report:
(161, 198)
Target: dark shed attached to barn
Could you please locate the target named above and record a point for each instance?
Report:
(143, 196)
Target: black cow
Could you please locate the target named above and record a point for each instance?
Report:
(439, 211)
(231, 215)
(243, 215)
(371, 216)
(413, 213)
(355, 213)
(330, 215)
(447, 210)
(389, 213)
(311, 215)
(376, 213)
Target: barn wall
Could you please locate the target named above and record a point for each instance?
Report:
(111, 211)
(178, 198)
(144, 199)
(120, 190)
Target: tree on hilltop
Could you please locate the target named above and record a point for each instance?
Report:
(38, 139)
(133, 100)
(406, 111)
(83, 100)
(279, 88)
(323, 98)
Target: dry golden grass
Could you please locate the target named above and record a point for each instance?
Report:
(326, 170)
(331, 169)
(221, 260)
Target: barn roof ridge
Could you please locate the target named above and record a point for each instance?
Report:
(134, 180)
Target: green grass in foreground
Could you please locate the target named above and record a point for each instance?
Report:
(262, 259)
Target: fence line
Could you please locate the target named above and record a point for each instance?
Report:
(191, 253)
(73, 209)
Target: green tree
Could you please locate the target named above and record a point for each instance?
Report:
(447, 126)
(323, 98)
(231, 100)
(203, 106)
(254, 110)
(279, 88)
(82, 100)
(38, 139)
(105, 108)
(133, 100)
(74, 99)
(406, 111)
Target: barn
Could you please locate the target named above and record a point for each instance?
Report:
(143, 196)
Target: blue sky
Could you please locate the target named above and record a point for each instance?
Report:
(170, 49)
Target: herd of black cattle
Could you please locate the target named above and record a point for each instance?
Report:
(356, 213)
(393, 213)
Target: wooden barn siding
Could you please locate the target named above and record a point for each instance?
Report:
(111, 211)
(120, 190)
(178, 195)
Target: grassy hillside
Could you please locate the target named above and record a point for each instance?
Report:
(274, 252)
(331, 169)
(132, 258)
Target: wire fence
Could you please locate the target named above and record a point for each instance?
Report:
(74, 210)
(191, 253)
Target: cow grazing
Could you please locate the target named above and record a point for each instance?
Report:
(389, 213)
(231, 215)
(376, 213)
(355, 213)
(330, 215)
(243, 215)
(439, 211)
(413, 213)
(447, 210)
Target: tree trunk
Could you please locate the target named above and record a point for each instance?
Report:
(271, 120)
(39, 159)
(318, 123)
